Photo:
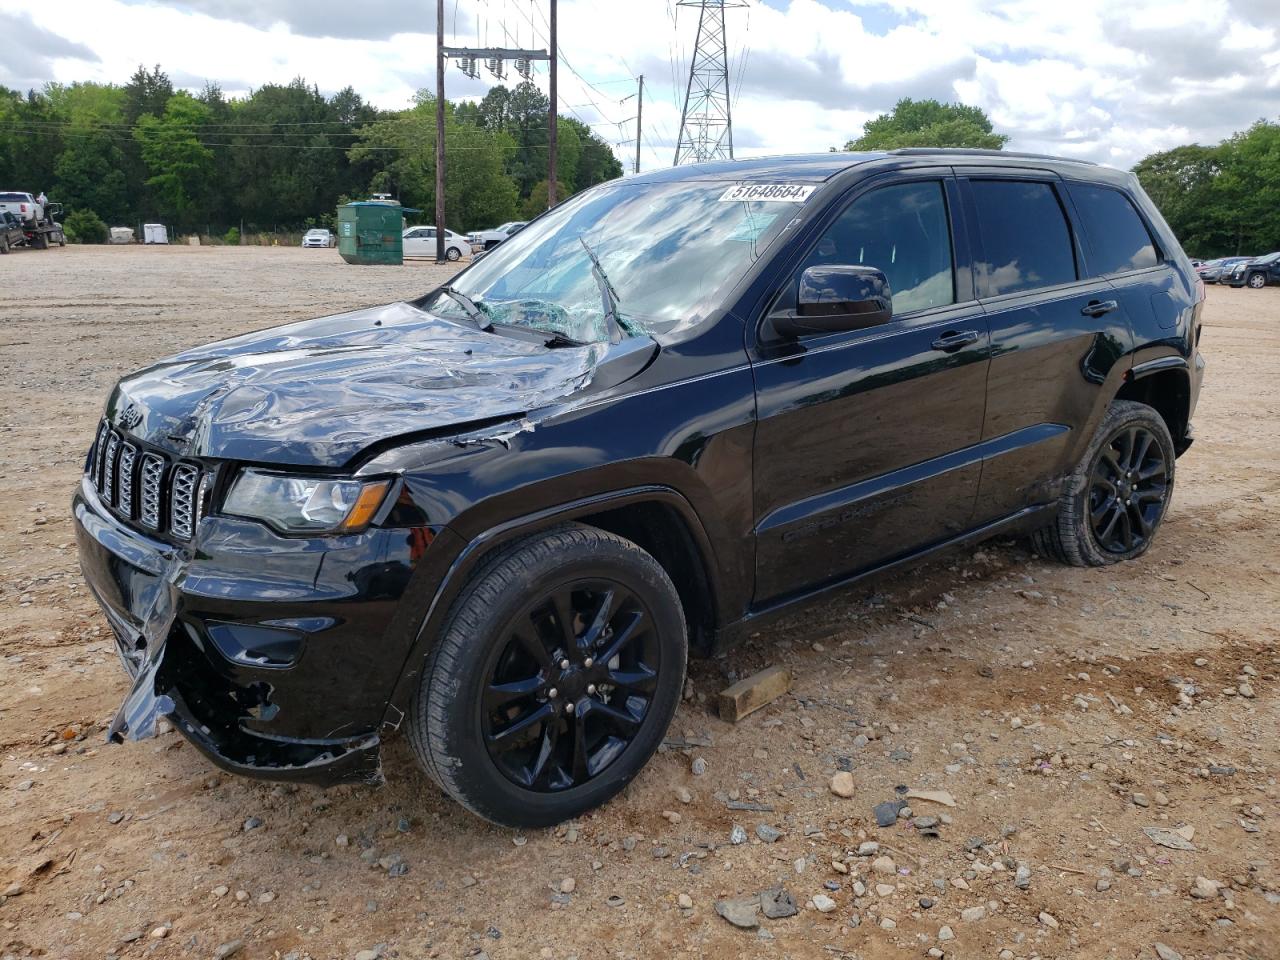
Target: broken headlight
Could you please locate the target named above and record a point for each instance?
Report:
(302, 504)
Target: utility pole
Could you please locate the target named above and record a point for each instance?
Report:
(706, 127)
(639, 114)
(553, 131)
(440, 252)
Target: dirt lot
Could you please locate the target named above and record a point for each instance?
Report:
(1065, 711)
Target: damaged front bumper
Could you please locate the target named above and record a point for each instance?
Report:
(273, 656)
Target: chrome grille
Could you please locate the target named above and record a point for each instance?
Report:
(182, 498)
(152, 478)
(143, 487)
(99, 447)
(124, 479)
(108, 486)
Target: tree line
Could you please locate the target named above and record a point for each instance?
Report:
(283, 157)
(1221, 200)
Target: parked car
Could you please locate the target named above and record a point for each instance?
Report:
(319, 237)
(11, 232)
(672, 409)
(1256, 273)
(1215, 271)
(421, 242)
(484, 239)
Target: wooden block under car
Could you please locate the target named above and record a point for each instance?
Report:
(750, 694)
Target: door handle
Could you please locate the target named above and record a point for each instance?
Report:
(954, 341)
(1096, 308)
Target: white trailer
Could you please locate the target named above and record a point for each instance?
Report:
(154, 233)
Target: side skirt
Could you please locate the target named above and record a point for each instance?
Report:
(1025, 520)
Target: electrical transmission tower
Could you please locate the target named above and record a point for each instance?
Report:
(706, 126)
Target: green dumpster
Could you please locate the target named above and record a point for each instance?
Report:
(369, 232)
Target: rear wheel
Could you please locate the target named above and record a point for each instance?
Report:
(1257, 281)
(453, 253)
(41, 242)
(4, 245)
(556, 675)
(1118, 494)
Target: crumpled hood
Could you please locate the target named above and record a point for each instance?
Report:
(318, 392)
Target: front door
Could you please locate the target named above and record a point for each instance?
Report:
(864, 440)
(420, 242)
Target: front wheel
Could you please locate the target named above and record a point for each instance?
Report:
(4, 246)
(1118, 494)
(557, 672)
(1256, 281)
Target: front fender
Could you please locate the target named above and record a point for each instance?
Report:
(686, 445)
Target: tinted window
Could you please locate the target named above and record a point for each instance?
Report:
(1118, 238)
(1025, 240)
(902, 231)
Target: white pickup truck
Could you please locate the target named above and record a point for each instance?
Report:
(484, 239)
(22, 205)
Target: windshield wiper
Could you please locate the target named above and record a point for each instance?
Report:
(607, 294)
(469, 307)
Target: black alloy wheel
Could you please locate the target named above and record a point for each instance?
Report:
(1115, 499)
(1128, 490)
(570, 689)
(553, 677)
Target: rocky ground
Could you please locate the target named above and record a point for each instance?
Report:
(992, 756)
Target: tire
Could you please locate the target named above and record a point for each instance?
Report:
(1074, 537)
(452, 253)
(466, 747)
(1256, 281)
(4, 246)
(41, 242)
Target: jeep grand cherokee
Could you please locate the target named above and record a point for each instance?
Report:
(671, 408)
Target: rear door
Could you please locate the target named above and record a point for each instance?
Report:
(1121, 247)
(1056, 333)
(863, 449)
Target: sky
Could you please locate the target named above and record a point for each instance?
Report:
(1094, 79)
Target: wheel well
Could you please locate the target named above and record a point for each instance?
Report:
(658, 529)
(1168, 392)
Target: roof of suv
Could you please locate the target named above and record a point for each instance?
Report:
(818, 167)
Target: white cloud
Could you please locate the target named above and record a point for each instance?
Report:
(1089, 78)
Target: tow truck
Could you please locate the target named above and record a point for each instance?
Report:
(40, 229)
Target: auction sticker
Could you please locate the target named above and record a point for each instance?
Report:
(784, 192)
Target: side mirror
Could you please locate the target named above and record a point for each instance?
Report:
(837, 297)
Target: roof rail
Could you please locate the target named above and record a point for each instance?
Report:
(974, 152)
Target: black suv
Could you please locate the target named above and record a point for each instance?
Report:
(1256, 273)
(668, 410)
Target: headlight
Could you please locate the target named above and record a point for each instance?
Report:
(301, 504)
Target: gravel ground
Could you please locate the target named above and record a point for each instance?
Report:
(1107, 738)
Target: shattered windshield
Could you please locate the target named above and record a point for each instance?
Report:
(666, 253)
